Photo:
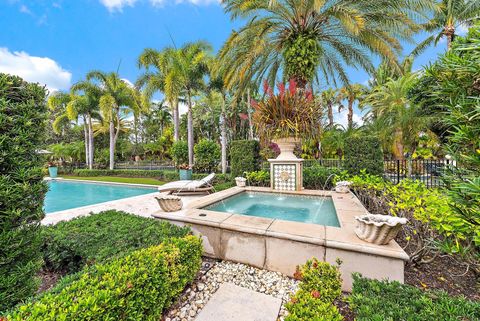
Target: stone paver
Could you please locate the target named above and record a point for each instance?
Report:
(234, 303)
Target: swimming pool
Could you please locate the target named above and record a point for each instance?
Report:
(64, 195)
(299, 208)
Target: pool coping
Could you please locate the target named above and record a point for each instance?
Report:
(61, 179)
(346, 205)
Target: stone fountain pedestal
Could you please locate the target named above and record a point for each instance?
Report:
(286, 171)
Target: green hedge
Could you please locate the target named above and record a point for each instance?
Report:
(390, 301)
(23, 116)
(363, 153)
(207, 156)
(179, 152)
(136, 287)
(160, 174)
(68, 246)
(244, 156)
(320, 285)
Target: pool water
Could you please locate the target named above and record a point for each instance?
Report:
(63, 195)
(306, 209)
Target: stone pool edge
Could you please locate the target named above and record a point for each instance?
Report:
(280, 245)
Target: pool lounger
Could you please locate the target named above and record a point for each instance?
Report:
(192, 187)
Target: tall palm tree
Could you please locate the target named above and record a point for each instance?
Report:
(350, 93)
(398, 119)
(116, 96)
(308, 39)
(329, 99)
(448, 16)
(162, 79)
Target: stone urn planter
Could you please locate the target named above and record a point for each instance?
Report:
(343, 187)
(378, 229)
(169, 203)
(241, 181)
(286, 146)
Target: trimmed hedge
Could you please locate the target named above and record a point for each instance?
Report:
(160, 174)
(363, 153)
(179, 152)
(69, 246)
(207, 156)
(136, 287)
(390, 301)
(23, 116)
(319, 177)
(320, 285)
(244, 156)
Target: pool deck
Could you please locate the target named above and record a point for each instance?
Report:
(280, 245)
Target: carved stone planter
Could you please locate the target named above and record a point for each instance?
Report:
(169, 203)
(241, 181)
(378, 229)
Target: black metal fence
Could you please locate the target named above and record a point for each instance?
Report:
(145, 165)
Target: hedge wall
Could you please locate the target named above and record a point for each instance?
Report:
(363, 153)
(68, 246)
(22, 191)
(136, 287)
(244, 156)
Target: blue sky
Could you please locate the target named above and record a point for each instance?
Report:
(57, 42)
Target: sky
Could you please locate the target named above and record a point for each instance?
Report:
(57, 42)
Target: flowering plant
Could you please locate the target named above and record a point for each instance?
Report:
(184, 166)
(292, 112)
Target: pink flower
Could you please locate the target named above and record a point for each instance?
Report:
(243, 116)
(292, 86)
(281, 88)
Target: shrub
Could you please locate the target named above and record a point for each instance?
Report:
(22, 122)
(319, 177)
(68, 246)
(258, 178)
(136, 287)
(244, 156)
(383, 300)
(363, 153)
(179, 152)
(207, 156)
(168, 175)
(320, 285)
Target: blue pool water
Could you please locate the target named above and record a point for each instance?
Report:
(63, 195)
(306, 209)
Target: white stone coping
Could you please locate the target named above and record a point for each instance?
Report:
(347, 207)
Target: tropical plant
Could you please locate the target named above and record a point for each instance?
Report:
(292, 112)
(329, 99)
(115, 96)
(447, 18)
(350, 93)
(207, 156)
(308, 39)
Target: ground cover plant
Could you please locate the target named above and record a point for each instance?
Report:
(69, 246)
(138, 286)
(374, 300)
(320, 285)
(22, 122)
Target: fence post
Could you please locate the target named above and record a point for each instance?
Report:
(398, 171)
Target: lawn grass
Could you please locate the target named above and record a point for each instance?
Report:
(116, 179)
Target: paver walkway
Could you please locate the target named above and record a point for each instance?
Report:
(234, 303)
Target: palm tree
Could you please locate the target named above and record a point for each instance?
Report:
(396, 117)
(448, 16)
(329, 99)
(162, 79)
(306, 39)
(115, 97)
(350, 93)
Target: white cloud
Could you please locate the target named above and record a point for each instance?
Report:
(113, 5)
(25, 9)
(118, 5)
(342, 118)
(35, 69)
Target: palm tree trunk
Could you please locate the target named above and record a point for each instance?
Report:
(87, 142)
(176, 121)
(449, 31)
(90, 139)
(350, 113)
(330, 115)
(249, 112)
(112, 144)
(190, 130)
(224, 136)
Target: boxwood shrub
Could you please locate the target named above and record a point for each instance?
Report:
(136, 287)
(244, 156)
(319, 177)
(23, 116)
(390, 301)
(363, 153)
(69, 246)
(320, 285)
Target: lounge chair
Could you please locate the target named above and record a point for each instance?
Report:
(201, 186)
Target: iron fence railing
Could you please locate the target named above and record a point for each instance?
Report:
(145, 165)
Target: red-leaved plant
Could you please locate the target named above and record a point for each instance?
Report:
(291, 112)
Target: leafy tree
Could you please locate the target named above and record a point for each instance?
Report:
(308, 39)
(448, 16)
